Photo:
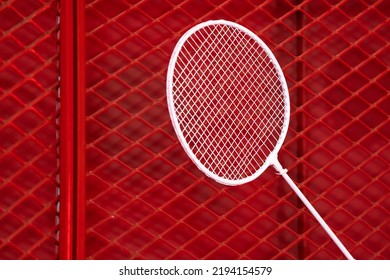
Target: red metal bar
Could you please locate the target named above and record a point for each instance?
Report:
(72, 130)
(66, 130)
(80, 122)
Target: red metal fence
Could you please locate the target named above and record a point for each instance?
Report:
(28, 141)
(144, 197)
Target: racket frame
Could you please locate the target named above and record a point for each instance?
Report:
(272, 157)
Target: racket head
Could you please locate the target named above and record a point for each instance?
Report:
(228, 101)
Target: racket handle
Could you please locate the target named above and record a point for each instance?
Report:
(283, 173)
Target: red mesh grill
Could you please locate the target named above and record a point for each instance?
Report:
(145, 198)
(28, 158)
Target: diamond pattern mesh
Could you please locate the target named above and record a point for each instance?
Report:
(28, 157)
(145, 198)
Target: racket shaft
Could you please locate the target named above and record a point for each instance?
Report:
(313, 211)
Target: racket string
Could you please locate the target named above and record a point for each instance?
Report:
(228, 101)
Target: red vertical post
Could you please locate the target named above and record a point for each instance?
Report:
(66, 130)
(72, 130)
(80, 139)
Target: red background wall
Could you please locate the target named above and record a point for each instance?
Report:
(144, 197)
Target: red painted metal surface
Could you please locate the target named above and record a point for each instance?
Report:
(42, 130)
(144, 199)
(80, 215)
(67, 130)
(72, 131)
(28, 141)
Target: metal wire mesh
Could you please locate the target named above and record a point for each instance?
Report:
(28, 158)
(146, 200)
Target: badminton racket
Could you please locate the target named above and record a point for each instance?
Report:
(229, 105)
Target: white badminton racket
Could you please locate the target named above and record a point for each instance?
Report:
(229, 105)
